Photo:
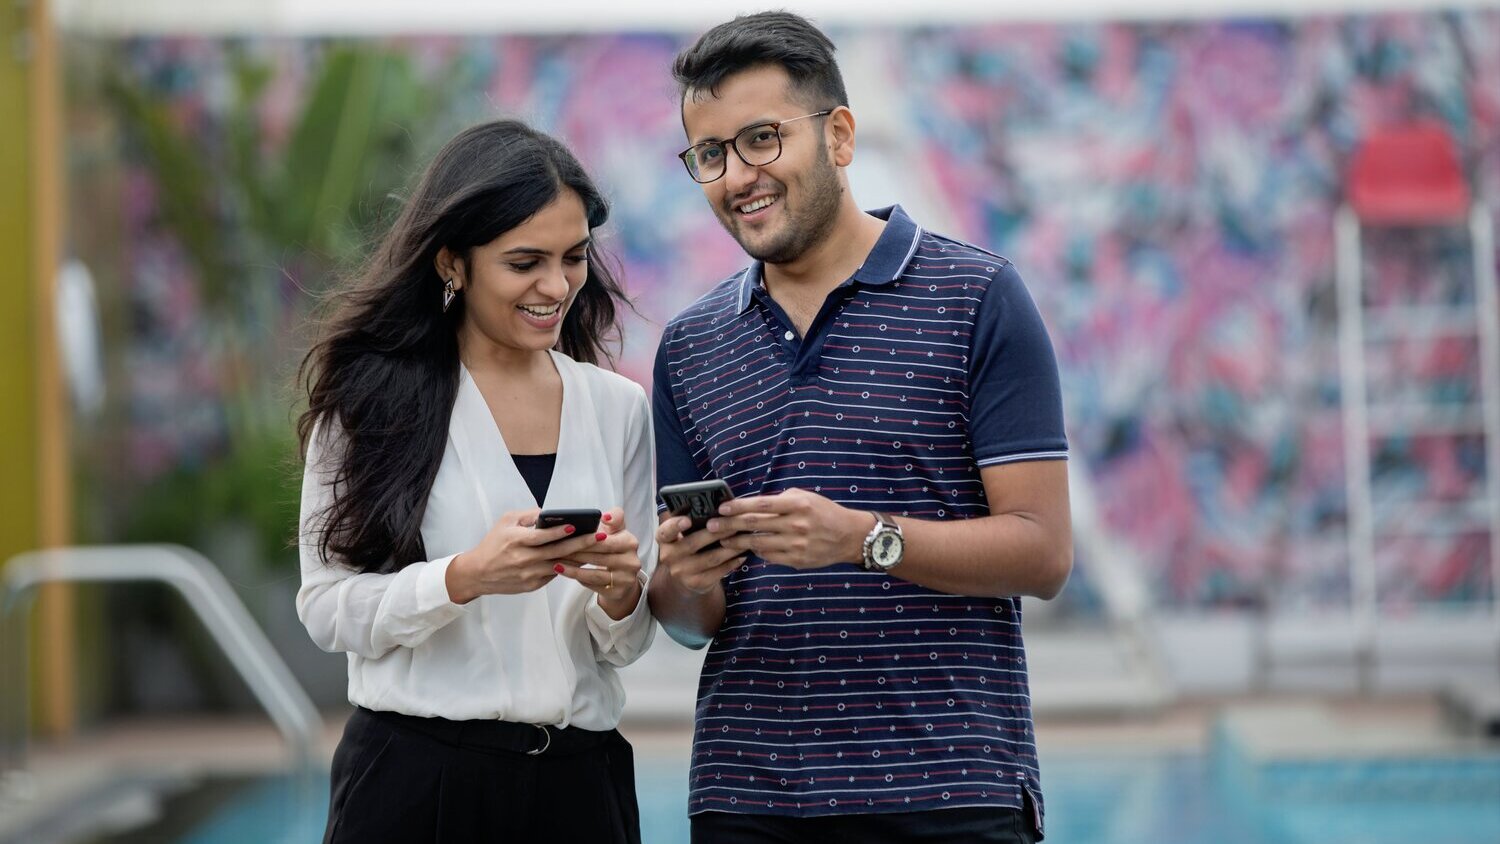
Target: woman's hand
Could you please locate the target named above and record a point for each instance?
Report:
(611, 568)
(514, 557)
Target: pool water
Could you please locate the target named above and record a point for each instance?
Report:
(1093, 799)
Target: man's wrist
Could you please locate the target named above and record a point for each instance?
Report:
(862, 523)
(688, 592)
(691, 618)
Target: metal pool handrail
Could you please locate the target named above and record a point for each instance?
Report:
(211, 598)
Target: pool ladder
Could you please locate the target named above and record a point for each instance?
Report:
(206, 592)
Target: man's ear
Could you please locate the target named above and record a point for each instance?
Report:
(841, 136)
(449, 267)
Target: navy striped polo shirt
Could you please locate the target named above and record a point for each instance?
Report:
(838, 690)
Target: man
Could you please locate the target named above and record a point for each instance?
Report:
(883, 401)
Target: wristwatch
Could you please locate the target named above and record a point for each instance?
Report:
(883, 546)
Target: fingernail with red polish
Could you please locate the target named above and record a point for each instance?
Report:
(601, 536)
(569, 528)
(559, 568)
(607, 517)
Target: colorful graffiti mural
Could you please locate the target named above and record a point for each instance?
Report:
(1167, 190)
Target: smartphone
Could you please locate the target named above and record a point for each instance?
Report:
(583, 521)
(698, 500)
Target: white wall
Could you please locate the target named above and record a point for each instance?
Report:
(489, 16)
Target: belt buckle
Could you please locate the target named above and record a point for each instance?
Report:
(546, 741)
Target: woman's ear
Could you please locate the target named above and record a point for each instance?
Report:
(449, 267)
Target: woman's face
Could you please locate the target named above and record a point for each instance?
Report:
(518, 287)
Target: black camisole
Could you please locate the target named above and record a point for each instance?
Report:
(537, 470)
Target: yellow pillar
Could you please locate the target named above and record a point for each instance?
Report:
(57, 678)
(35, 498)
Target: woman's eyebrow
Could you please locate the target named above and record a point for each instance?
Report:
(534, 250)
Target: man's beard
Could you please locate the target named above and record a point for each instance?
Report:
(807, 225)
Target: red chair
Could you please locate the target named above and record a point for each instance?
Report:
(1408, 175)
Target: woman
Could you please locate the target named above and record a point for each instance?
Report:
(453, 393)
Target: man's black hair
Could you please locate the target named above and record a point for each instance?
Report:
(765, 38)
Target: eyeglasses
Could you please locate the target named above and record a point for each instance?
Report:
(756, 145)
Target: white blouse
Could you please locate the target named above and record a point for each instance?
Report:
(543, 657)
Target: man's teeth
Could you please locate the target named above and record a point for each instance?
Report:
(539, 311)
(758, 204)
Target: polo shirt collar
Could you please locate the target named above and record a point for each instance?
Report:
(885, 263)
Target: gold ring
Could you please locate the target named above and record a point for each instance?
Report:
(611, 585)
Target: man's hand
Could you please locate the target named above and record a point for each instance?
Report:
(687, 559)
(794, 528)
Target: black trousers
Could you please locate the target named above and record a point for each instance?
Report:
(940, 826)
(398, 778)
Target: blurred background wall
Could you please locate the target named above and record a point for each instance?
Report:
(1166, 187)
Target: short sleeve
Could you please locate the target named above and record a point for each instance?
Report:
(675, 463)
(1015, 399)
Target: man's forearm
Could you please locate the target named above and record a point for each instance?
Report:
(690, 618)
(993, 556)
(1024, 548)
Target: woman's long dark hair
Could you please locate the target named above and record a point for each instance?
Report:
(384, 374)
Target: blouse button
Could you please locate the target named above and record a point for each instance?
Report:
(789, 335)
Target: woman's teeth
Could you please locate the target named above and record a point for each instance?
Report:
(540, 312)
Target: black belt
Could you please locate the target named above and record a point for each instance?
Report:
(503, 736)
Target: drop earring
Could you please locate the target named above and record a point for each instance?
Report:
(449, 294)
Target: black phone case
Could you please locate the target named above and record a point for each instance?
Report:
(698, 501)
(583, 521)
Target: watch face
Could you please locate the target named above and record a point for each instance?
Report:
(887, 550)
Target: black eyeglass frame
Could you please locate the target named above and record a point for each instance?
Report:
(733, 143)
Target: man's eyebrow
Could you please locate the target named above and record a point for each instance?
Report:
(752, 124)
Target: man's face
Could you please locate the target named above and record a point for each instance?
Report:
(776, 211)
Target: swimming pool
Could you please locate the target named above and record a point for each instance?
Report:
(1092, 799)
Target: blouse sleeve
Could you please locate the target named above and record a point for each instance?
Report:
(622, 642)
(361, 613)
